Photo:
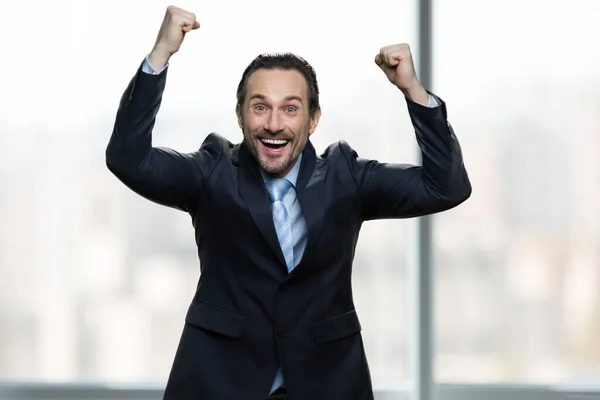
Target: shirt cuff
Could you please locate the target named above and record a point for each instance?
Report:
(149, 69)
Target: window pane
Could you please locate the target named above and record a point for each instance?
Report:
(518, 266)
(87, 265)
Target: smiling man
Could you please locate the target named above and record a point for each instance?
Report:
(276, 112)
(276, 224)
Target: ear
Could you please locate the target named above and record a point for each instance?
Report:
(314, 121)
(238, 112)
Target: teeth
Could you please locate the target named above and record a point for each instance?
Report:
(274, 141)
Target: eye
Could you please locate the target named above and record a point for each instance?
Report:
(259, 108)
(290, 109)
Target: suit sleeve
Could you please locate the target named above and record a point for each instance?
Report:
(159, 174)
(402, 191)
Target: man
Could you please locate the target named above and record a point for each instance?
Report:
(276, 225)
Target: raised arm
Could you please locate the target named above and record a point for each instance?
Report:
(391, 190)
(399, 190)
(162, 175)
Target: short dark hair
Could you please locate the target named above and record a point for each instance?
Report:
(284, 61)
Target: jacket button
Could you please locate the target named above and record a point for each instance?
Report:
(280, 332)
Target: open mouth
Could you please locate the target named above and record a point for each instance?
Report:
(274, 145)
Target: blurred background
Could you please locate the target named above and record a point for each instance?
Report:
(86, 265)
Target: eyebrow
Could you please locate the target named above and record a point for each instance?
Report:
(287, 98)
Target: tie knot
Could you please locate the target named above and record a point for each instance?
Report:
(277, 188)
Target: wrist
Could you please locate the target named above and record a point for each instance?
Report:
(416, 93)
(158, 58)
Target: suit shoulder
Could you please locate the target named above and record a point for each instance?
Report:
(216, 145)
(211, 152)
(339, 150)
(216, 141)
(344, 157)
(340, 156)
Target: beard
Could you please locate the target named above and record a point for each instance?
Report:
(277, 167)
(276, 162)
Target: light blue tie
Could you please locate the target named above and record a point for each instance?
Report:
(277, 188)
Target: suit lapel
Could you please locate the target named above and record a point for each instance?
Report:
(309, 190)
(252, 188)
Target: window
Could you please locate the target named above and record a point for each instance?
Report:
(518, 268)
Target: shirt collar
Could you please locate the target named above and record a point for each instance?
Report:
(291, 176)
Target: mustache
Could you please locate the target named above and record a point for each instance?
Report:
(272, 135)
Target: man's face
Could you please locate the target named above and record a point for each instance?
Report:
(275, 118)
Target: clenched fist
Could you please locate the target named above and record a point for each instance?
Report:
(175, 25)
(397, 63)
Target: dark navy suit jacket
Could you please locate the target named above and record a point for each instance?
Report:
(249, 314)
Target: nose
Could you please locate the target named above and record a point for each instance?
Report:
(274, 123)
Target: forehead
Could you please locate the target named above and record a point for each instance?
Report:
(277, 84)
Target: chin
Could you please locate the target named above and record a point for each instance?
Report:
(277, 168)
